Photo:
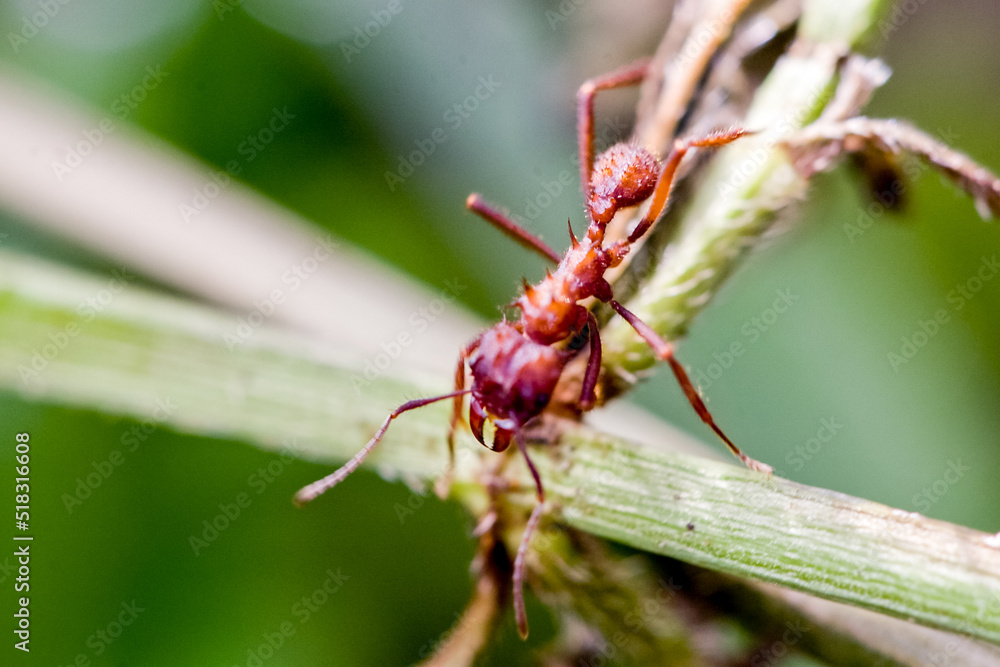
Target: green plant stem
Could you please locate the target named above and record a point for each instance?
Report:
(278, 392)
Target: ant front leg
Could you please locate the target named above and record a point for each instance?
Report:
(665, 351)
(456, 409)
(630, 75)
(666, 181)
(443, 482)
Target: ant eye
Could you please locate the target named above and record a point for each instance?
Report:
(579, 339)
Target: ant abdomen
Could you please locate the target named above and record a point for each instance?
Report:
(623, 176)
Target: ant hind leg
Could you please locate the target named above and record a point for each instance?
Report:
(520, 561)
(587, 395)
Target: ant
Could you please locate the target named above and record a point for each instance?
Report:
(515, 366)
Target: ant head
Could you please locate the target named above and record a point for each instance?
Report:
(479, 421)
(624, 175)
(513, 378)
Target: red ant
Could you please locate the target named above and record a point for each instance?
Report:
(515, 366)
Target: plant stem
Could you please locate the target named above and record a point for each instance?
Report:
(145, 347)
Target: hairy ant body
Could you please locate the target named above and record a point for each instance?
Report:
(515, 366)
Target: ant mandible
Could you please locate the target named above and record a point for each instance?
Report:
(515, 366)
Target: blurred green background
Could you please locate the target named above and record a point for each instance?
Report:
(358, 105)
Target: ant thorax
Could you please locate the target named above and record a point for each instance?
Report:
(550, 311)
(623, 176)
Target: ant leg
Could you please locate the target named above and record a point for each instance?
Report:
(443, 483)
(539, 491)
(665, 351)
(475, 203)
(520, 615)
(587, 396)
(456, 410)
(629, 75)
(666, 180)
(319, 487)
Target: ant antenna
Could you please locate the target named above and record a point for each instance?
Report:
(320, 487)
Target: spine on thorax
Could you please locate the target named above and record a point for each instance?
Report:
(551, 310)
